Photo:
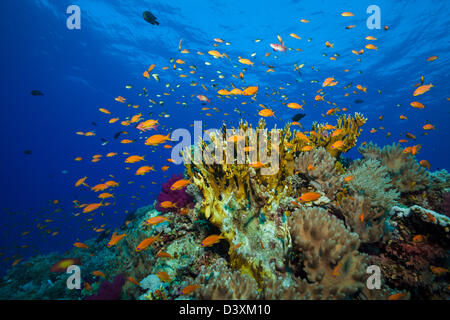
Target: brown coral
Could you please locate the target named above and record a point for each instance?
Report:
(365, 220)
(220, 283)
(406, 173)
(324, 172)
(330, 252)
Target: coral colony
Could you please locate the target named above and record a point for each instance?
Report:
(308, 231)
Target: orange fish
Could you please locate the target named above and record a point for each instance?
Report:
(167, 204)
(294, 105)
(348, 178)
(163, 276)
(115, 238)
(397, 296)
(337, 145)
(418, 238)
(133, 280)
(104, 110)
(337, 132)
(157, 139)
(80, 245)
(156, 220)
(432, 58)
(162, 254)
(428, 126)
(413, 150)
(143, 170)
(422, 89)
(417, 105)
(134, 159)
(211, 240)
(307, 148)
(98, 274)
(180, 184)
(309, 196)
(91, 207)
(188, 289)
(266, 113)
(371, 47)
(425, 164)
(81, 182)
(146, 242)
(439, 271)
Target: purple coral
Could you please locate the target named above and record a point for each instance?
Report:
(179, 197)
(109, 290)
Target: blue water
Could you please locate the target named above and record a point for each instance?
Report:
(80, 71)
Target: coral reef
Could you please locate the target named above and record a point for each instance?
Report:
(292, 217)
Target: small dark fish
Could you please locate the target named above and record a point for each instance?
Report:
(298, 116)
(36, 93)
(93, 123)
(28, 152)
(150, 18)
(118, 134)
(359, 101)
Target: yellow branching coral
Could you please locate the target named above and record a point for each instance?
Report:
(242, 173)
(329, 250)
(347, 131)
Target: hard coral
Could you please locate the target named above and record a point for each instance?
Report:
(178, 197)
(349, 132)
